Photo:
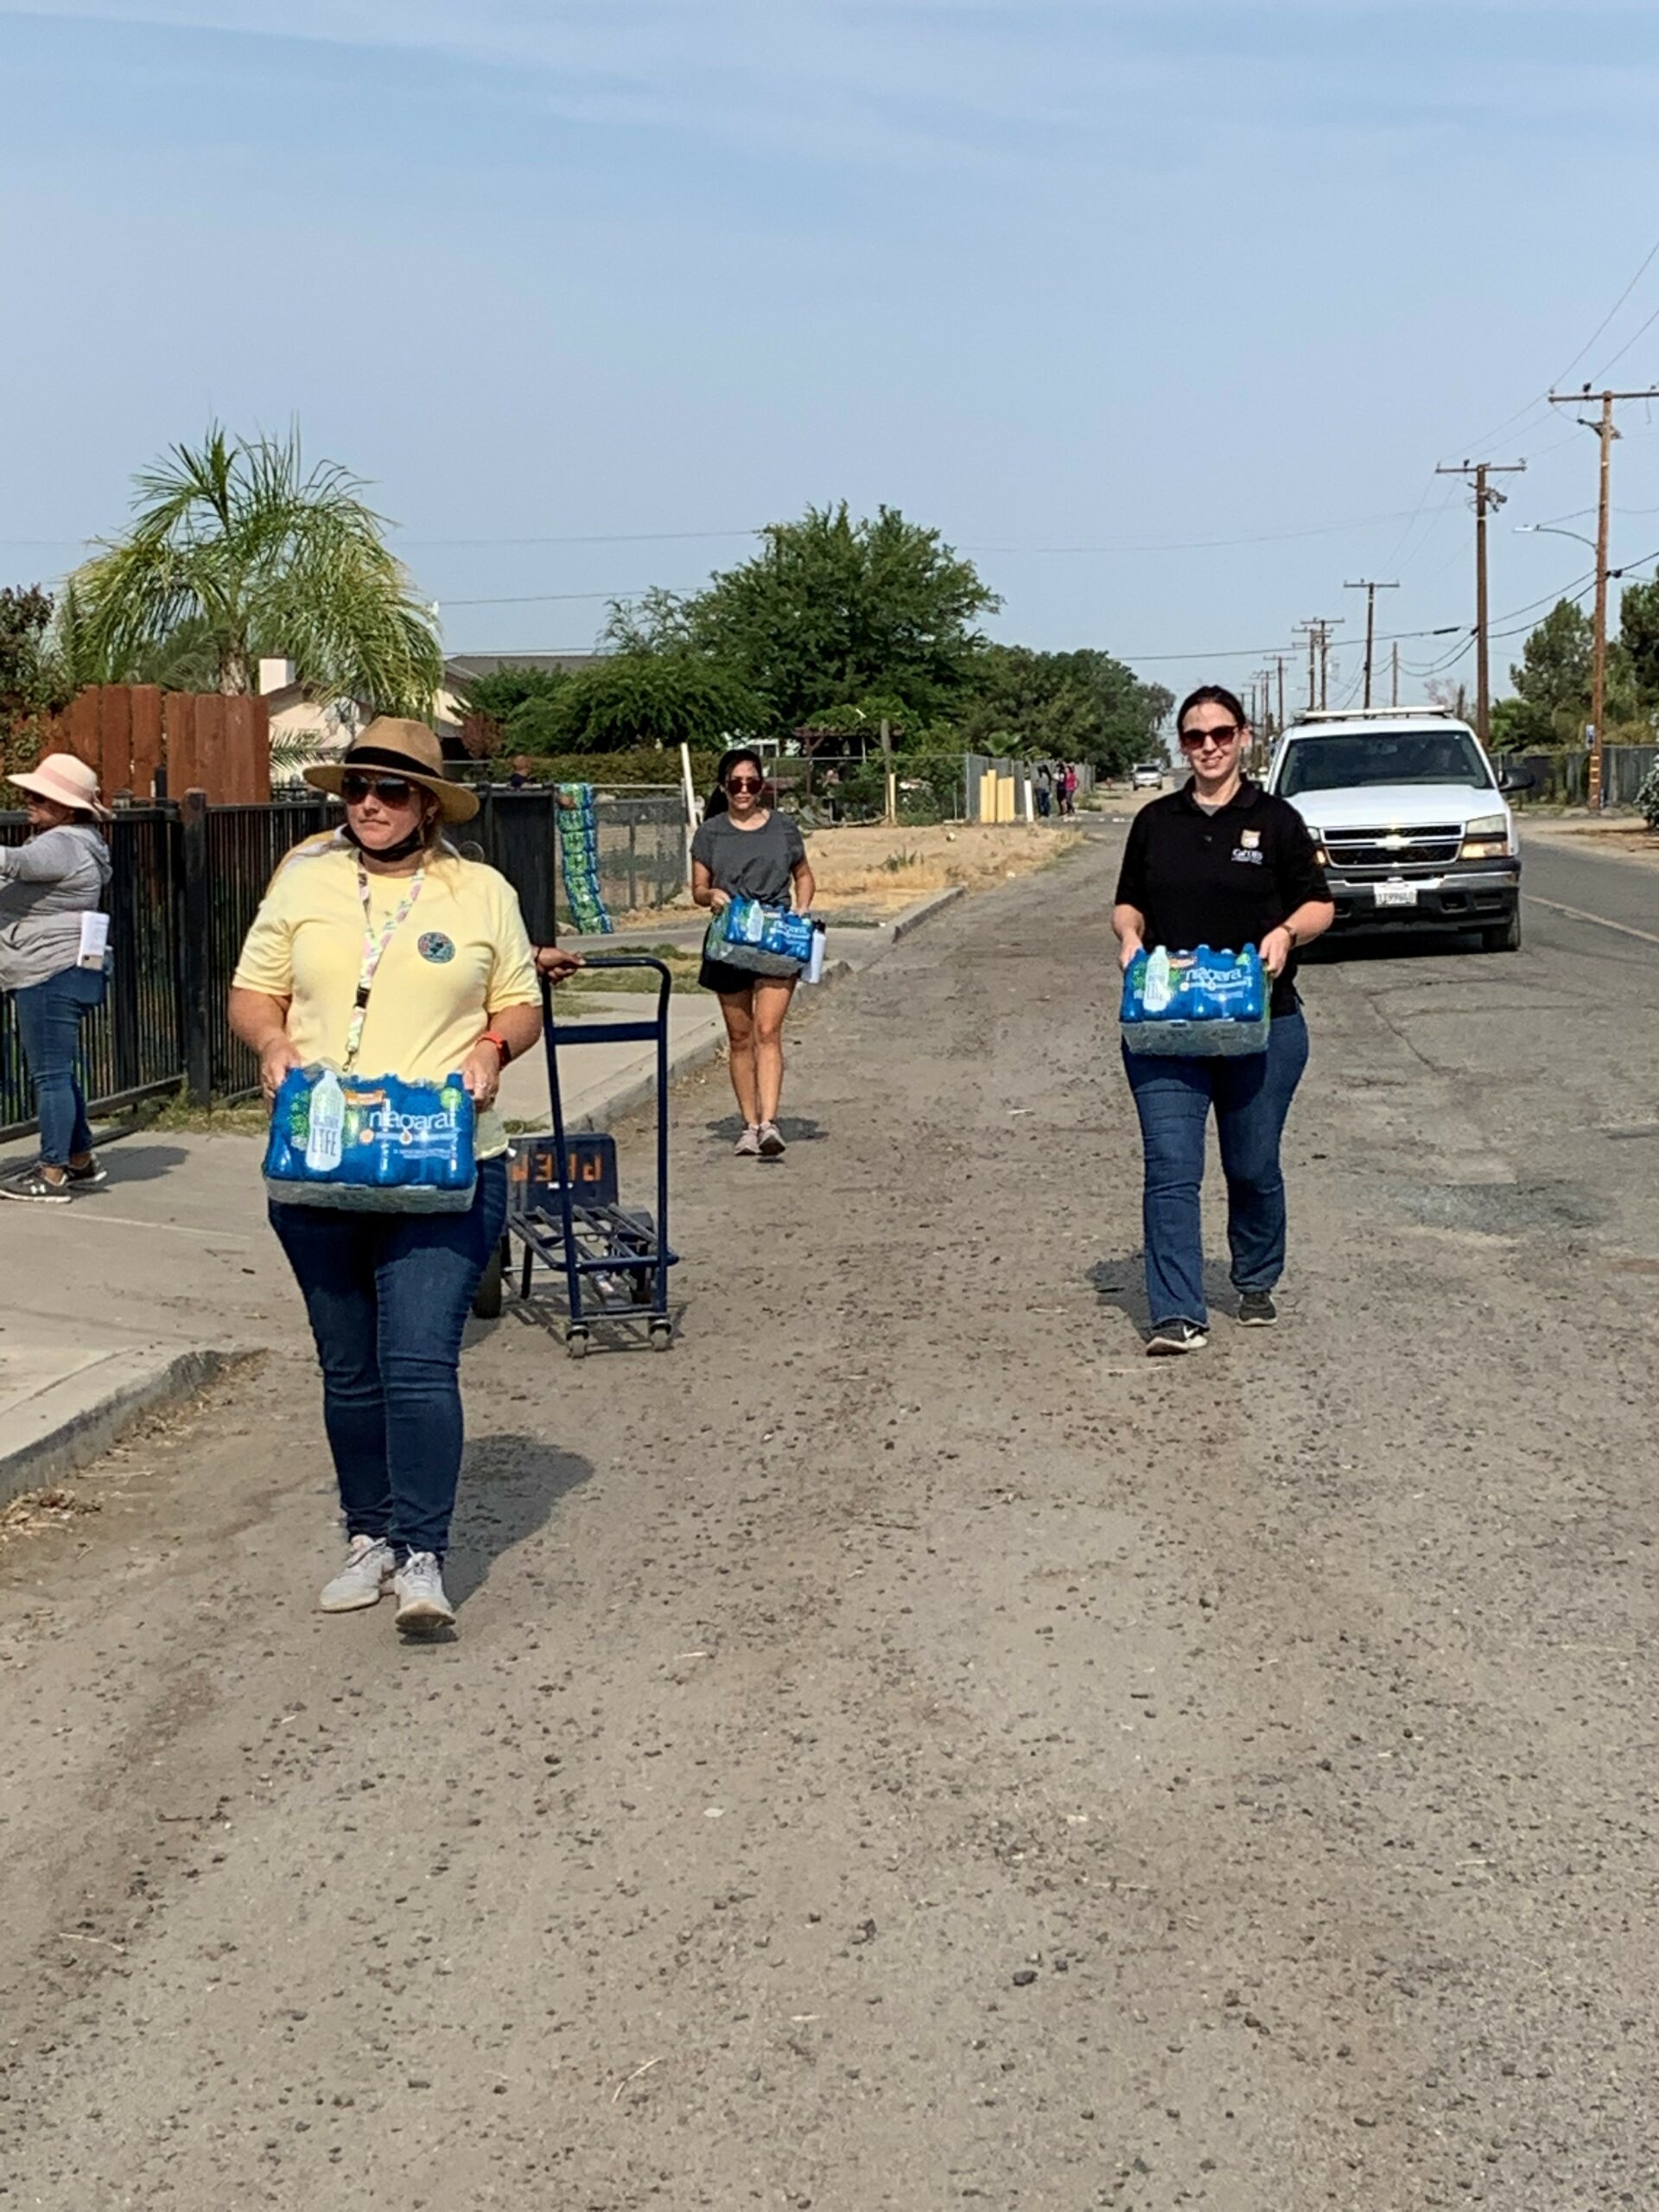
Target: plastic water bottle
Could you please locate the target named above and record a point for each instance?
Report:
(1157, 994)
(325, 1140)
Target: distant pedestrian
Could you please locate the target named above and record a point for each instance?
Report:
(1045, 787)
(383, 949)
(522, 774)
(49, 886)
(1069, 786)
(743, 849)
(1224, 863)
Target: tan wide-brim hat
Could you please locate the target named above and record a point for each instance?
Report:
(69, 781)
(402, 748)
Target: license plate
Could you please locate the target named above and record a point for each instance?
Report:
(1396, 894)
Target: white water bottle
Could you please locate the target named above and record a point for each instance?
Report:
(1156, 992)
(324, 1135)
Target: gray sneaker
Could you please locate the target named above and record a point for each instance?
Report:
(35, 1187)
(1256, 1309)
(361, 1580)
(91, 1177)
(423, 1607)
(771, 1142)
(748, 1145)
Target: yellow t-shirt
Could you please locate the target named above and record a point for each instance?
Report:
(459, 956)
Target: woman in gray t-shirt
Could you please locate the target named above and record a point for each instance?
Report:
(745, 850)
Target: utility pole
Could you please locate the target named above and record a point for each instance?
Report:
(1487, 495)
(1371, 591)
(1393, 688)
(1280, 658)
(1605, 432)
(1318, 658)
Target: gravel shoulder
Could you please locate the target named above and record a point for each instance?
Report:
(902, 1748)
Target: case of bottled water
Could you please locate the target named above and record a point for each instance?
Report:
(1203, 1004)
(767, 940)
(372, 1144)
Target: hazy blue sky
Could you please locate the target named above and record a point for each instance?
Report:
(1104, 275)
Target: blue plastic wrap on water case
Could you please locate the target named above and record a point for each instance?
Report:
(372, 1144)
(1203, 1004)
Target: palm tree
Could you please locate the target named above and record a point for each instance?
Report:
(235, 552)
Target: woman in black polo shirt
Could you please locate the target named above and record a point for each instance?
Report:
(1220, 862)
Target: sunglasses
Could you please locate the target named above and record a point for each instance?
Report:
(743, 782)
(1194, 741)
(391, 790)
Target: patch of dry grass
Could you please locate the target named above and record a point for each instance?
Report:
(883, 870)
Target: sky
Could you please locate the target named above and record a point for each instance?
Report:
(1165, 313)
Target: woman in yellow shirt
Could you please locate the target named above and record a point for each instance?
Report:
(385, 949)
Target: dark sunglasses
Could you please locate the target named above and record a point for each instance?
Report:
(1194, 738)
(391, 790)
(743, 782)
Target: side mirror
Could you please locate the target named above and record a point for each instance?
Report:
(1515, 779)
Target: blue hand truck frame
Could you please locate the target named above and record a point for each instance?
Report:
(564, 1208)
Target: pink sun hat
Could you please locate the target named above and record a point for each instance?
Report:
(69, 781)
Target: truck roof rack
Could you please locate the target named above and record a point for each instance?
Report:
(1376, 715)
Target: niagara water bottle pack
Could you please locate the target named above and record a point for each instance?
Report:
(1203, 1004)
(767, 940)
(578, 826)
(371, 1144)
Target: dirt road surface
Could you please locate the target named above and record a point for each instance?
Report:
(903, 1749)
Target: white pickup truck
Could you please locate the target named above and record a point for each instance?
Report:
(1410, 818)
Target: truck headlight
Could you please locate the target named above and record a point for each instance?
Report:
(1487, 838)
(1320, 852)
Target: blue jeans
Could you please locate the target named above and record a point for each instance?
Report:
(48, 1022)
(388, 1295)
(1251, 1098)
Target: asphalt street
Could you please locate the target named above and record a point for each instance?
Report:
(902, 1748)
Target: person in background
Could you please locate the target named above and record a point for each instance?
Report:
(47, 884)
(1224, 863)
(521, 772)
(1069, 786)
(744, 848)
(385, 948)
(1044, 786)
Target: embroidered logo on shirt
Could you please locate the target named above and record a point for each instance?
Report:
(1249, 839)
(436, 947)
(1246, 852)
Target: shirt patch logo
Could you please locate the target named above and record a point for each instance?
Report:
(1249, 839)
(1245, 852)
(436, 947)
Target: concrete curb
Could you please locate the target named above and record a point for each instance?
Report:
(924, 911)
(143, 1381)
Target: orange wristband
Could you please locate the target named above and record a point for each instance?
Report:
(493, 1036)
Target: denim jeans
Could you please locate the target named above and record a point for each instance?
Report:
(48, 1022)
(387, 1295)
(1251, 1097)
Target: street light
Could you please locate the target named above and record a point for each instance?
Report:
(1548, 530)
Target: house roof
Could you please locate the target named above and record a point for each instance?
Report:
(459, 666)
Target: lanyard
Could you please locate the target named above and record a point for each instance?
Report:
(374, 947)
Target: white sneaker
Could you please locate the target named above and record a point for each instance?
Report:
(360, 1581)
(421, 1606)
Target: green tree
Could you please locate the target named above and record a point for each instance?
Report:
(1638, 637)
(1552, 681)
(497, 693)
(236, 550)
(834, 609)
(636, 699)
(34, 680)
(1073, 706)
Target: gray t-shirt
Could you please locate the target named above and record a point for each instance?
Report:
(751, 863)
(46, 886)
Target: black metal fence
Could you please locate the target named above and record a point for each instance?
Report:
(188, 878)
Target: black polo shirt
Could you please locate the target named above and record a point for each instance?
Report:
(1223, 879)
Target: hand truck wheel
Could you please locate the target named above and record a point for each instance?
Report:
(575, 1342)
(662, 1335)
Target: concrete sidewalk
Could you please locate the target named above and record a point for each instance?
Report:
(131, 1297)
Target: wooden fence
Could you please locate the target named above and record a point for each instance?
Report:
(150, 743)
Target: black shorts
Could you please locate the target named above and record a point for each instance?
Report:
(721, 975)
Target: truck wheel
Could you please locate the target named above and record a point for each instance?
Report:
(1504, 938)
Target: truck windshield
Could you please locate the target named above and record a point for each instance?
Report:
(1335, 764)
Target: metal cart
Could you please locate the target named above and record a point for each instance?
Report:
(564, 1207)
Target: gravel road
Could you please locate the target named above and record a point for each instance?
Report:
(903, 1749)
